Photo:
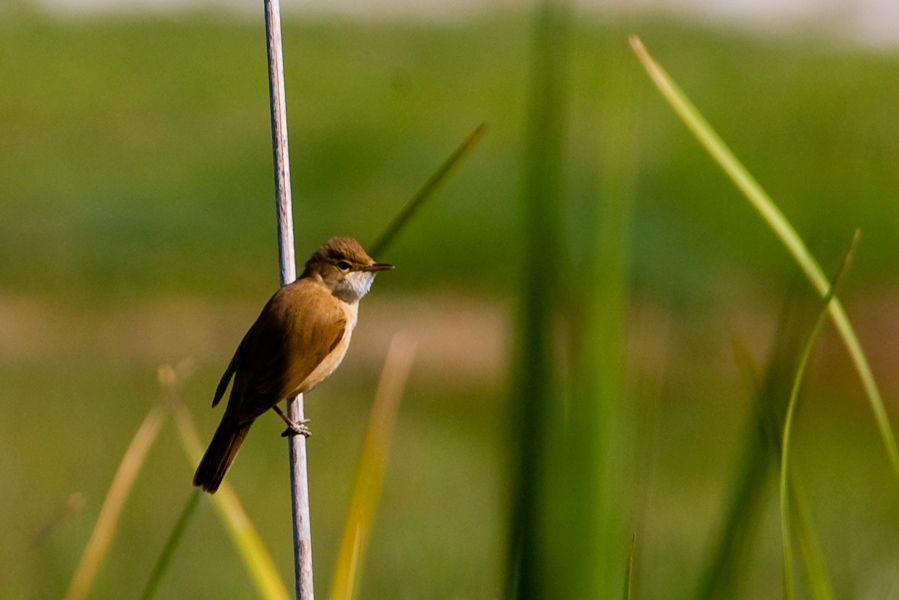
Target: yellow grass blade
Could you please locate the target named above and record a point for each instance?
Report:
(227, 505)
(371, 468)
(107, 522)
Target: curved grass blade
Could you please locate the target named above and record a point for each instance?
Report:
(769, 435)
(813, 563)
(786, 529)
(119, 490)
(745, 505)
(431, 187)
(784, 230)
(372, 465)
(243, 534)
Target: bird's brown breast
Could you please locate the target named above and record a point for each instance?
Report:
(299, 339)
(333, 358)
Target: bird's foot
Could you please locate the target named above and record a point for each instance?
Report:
(293, 427)
(297, 428)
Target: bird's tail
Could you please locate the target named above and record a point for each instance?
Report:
(219, 456)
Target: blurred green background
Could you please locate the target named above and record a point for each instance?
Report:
(137, 229)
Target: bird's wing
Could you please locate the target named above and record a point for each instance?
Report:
(298, 328)
(232, 367)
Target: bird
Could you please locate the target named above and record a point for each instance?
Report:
(298, 340)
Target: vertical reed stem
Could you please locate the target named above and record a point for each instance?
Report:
(302, 534)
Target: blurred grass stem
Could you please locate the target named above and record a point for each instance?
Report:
(536, 402)
(596, 443)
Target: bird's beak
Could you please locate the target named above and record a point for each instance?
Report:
(374, 267)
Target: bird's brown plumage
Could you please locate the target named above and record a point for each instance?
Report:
(298, 340)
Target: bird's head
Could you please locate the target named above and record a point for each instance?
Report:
(345, 267)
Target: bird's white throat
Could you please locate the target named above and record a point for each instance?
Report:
(354, 286)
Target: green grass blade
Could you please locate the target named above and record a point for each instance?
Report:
(431, 187)
(168, 550)
(813, 559)
(784, 230)
(629, 570)
(243, 534)
(718, 581)
(743, 509)
(371, 469)
(122, 484)
(786, 529)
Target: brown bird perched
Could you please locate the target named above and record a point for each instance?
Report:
(300, 337)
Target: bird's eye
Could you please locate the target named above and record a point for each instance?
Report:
(344, 265)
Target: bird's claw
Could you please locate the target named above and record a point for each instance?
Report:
(297, 428)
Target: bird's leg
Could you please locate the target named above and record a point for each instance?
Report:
(293, 427)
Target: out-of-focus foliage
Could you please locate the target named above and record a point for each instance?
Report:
(136, 228)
